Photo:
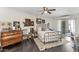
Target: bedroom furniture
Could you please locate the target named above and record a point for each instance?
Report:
(28, 34)
(25, 33)
(32, 30)
(26, 30)
(76, 43)
(32, 34)
(25, 36)
(41, 46)
(35, 34)
(48, 36)
(10, 37)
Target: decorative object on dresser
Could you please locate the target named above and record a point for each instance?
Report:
(10, 37)
(6, 25)
(28, 22)
(10, 26)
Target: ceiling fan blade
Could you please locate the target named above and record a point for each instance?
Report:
(49, 12)
(42, 13)
(51, 9)
(44, 8)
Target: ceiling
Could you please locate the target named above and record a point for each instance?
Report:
(60, 11)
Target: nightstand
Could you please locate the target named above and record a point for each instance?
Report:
(30, 35)
(35, 34)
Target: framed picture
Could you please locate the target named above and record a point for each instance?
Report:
(28, 22)
(16, 24)
(43, 21)
(38, 20)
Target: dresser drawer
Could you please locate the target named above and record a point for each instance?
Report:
(12, 37)
(9, 34)
(11, 41)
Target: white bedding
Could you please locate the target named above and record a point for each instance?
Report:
(53, 36)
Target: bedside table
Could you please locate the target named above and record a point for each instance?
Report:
(35, 34)
(30, 35)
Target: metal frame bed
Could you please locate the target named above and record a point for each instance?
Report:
(50, 37)
(47, 37)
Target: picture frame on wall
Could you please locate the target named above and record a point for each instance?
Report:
(43, 21)
(16, 24)
(28, 22)
(38, 20)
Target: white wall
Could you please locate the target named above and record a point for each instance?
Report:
(76, 18)
(53, 22)
(10, 15)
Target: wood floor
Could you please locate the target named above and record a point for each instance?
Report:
(30, 46)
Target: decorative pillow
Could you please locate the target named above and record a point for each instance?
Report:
(39, 28)
(43, 29)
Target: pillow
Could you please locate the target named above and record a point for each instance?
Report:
(39, 28)
(43, 29)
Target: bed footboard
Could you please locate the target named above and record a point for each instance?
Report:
(51, 36)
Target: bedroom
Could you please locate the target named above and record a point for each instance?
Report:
(30, 18)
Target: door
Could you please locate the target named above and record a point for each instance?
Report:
(63, 27)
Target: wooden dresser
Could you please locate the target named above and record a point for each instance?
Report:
(10, 37)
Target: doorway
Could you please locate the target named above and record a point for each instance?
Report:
(66, 27)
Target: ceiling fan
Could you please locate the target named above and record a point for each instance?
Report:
(46, 10)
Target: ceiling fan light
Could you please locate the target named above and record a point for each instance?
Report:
(45, 12)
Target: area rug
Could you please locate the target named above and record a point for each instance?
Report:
(41, 46)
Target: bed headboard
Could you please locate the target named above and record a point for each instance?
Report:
(41, 27)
